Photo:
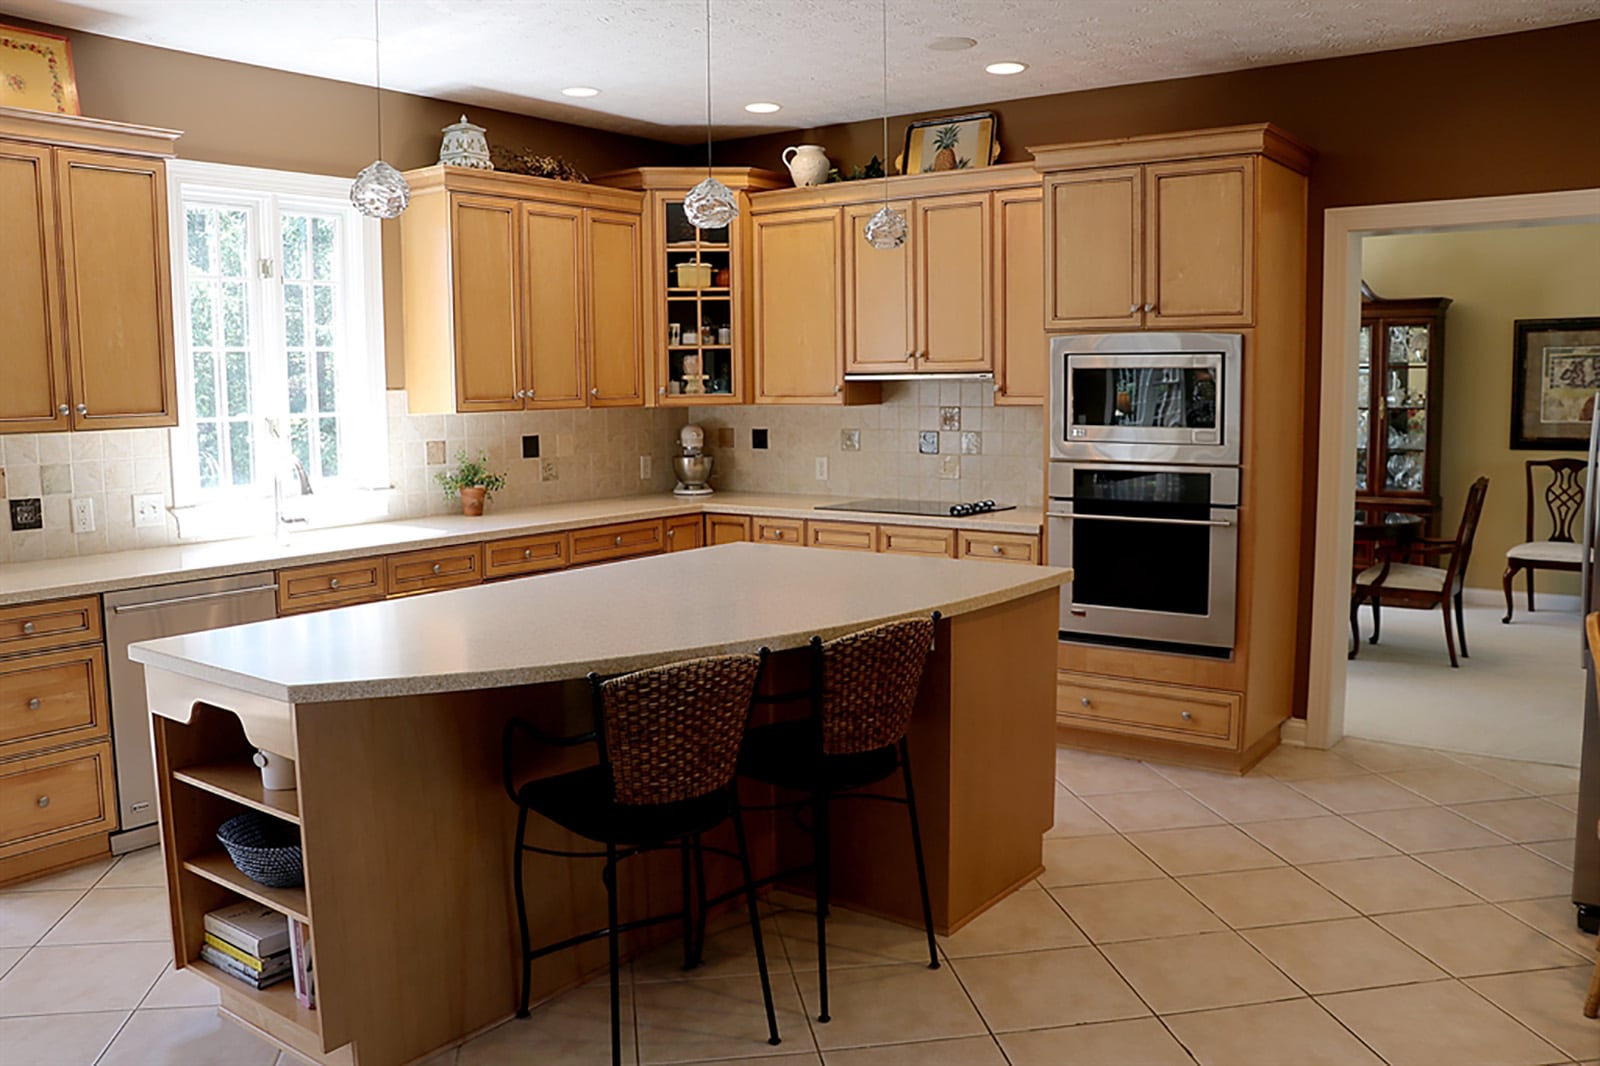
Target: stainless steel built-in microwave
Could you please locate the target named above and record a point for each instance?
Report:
(1146, 397)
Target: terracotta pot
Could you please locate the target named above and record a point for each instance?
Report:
(472, 500)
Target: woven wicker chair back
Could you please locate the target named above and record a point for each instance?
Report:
(869, 685)
(672, 732)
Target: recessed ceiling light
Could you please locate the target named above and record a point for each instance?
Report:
(951, 44)
(580, 90)
(1008, 67)
(763, 107)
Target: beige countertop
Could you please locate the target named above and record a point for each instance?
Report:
(610, 619)
(53, 578)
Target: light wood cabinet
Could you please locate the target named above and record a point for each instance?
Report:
(1200, 239)
(916, 540)
(553, 311)
(1094, 229)
(727, 529)
(619, 540)
(1159, 712)
(484, 288)
(53, 624)
(685, 533)
(790, 531)
(337, 584)
(87, 313)
(56, 797)
(514, 556)
(997, 547)
(1021, 346)
(433, 568)
(879, 287)
(846, 536)
(798, 307)
(615, 314)
(53, 699)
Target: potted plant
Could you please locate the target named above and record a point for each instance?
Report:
(471, 481)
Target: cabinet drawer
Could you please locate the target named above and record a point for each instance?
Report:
(685, 533)
(53, 699)
(778, 531)
(312, 588)
(1161, 712)
(727, 528)
(48, 799)
(916, 540)
(53, 624)
(616, 541)
(998, 547)
(524, 555)
(851, 536)
(434, 568)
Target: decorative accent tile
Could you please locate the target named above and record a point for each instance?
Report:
(56, 479)
(849, 440)
(971, 442)
(435, 455)
(950, 467)
(949, 418)
(928, 442)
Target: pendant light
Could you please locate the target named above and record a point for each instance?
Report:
(711, 204)
(379, 191)
(886, 230)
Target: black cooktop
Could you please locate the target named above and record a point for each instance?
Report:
(931, 508)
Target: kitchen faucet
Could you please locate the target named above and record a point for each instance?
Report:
(280, 521)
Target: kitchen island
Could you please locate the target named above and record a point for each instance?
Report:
(393, 712)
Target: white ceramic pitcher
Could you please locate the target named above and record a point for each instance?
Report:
(807, 163)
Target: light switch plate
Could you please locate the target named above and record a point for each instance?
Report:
(644, 468)
(147, 509)
(822, 468)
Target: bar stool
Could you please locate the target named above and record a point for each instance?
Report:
(863, 688)
(668, 741)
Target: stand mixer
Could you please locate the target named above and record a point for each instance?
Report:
(693, 467)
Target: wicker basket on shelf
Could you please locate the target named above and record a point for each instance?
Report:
(264, 849)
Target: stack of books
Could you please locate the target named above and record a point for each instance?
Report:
(248, 942)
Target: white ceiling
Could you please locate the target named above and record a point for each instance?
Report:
(820, 59)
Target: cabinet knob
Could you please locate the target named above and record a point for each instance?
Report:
(672, 532)
(661, 390)
(910, 356)
(617, 542)
(995, 548)
(63, 410)
(1148, 308)
(83, 408)
(1133, 309)
(437, 568)
(998, 389)
(333, 582)
(43, 801)
(33, 704)
(1085, 701)
(1186, 716)
(837, 389)
(527, 553)
(527, 394)
(27, 627)
(595, 391)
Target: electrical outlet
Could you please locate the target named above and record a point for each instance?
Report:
(644, 468)
(83, 514)
(147, 509)
(822, 468)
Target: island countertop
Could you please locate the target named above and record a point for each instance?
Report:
(609, 619)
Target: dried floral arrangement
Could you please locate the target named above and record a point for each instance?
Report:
(526, 161)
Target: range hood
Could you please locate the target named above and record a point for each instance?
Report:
(927, 375)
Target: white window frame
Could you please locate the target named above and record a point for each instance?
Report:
(362, 378)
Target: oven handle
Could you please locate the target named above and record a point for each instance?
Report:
(1130, 518)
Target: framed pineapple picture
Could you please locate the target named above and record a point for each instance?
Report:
(955, 142)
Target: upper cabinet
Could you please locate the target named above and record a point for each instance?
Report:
(798, 307)
(1020, 342)
(1159, 232)
(87, 314)
(521, 293)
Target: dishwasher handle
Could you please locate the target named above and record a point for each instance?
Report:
(126, 608)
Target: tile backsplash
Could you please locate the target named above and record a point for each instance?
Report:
(927, 440)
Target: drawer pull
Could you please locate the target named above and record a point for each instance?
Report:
(778, 533)
(438, 569)
(996, 549)
(1148, 308)
(1085, 701)
(1186, 716)
(527, 553)
(333, 582)
(27, 627)
(618, 541)
(33, 704)
(672, 532)
(43, 801)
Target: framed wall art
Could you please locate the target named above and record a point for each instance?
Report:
(36, 71)
(956, 142)
(1555, 375)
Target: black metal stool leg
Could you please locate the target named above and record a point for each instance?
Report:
(755, 927)
(689, 959)
(522, 913)
(610, 878)
(916, 850)
(824, 859)
(700, 878)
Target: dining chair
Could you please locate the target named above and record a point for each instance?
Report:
(1563, 503)
(1591, 1002)
(1399, 584)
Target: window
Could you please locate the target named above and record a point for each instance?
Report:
(278, 298)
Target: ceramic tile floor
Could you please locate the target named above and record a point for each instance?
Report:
(1373, 904)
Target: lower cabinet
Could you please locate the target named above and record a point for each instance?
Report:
(848, 536)
(56, 797)
(434, 568)
(998, 547)
(916, 540)
(791, 531)
(727, 529)
(685, 532)
(619, 541)
(515, 556)
(1157, 712)
(336, 584)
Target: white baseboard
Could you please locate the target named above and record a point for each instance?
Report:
(1546, 601)
(1293, 732)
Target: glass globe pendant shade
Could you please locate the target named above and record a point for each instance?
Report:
(710, 205)
(380, 191)
(886, 229)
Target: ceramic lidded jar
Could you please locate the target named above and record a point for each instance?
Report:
(465, 146)
(807, 163)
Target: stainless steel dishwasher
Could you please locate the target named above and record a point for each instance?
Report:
(145, 614)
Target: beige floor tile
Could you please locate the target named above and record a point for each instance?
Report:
(1141, 1041)
(80, 877)
(1353, 793)
(573, 1030)
(1467, 1029)
(1133, 812)
(968, 1051)
(1455, 784)
(115, 915)
(1557, 851)
(1204, 850)
(1136, 910)
(1027, 920)
(1541, 779)
(1200, 972)
(854, 939)
(25, 917)
(1255, 799)
(1094, 860)
(1380, 757)
(1341, 956)
(1426, 829)
(1041, 989)
(1384, 885)
(9, 957)
(1521, 820)
(1293, 764)
(1566, 800)
(1074, 818)
(1504, 873)
(1326, 839)
(1555, 917)
(1278, 896)
(886, 1004)
(186, 1036)
(1544, 1002)
(1476, 940)
(1189, 778)
(730, 951)
(721, 1018)
(1092, 775)
(58, 1039)
(180, 988)
(1270, 1034)
(137, 869)
(91, 977)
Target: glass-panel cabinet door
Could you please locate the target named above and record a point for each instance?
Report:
(1406, 357)
(1363, 404)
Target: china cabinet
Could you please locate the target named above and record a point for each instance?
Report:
(1399, 404)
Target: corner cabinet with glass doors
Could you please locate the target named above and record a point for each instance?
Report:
(697, 298)
(1399, 404)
